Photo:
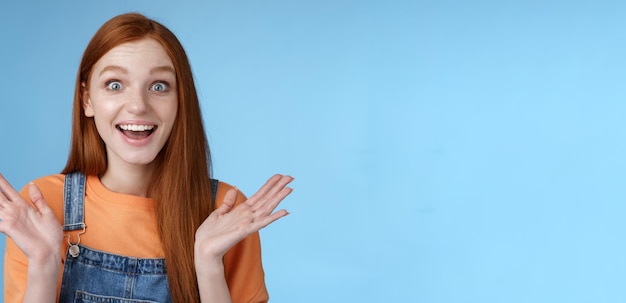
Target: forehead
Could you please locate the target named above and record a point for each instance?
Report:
(136, 55)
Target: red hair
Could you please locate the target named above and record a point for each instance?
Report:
(181, 179)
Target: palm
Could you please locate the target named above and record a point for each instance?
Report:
(229, 224)
(35, 230)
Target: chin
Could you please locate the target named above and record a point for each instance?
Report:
(140, 160)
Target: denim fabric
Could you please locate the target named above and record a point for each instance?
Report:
(95, 276)
(73, 197)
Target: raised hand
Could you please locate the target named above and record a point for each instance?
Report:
(35, 230)
(229, 224)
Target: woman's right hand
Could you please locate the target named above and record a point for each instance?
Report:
(35, 230)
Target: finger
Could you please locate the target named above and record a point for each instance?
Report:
(275, 194)
(2, 197)
(264, 189)
(229, 201)
(37, 197)
(272, 189)
(265, 221)
(280, 185)
(6, 190)
(270, 204)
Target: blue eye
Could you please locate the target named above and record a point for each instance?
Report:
(114, 85)
(159, 86)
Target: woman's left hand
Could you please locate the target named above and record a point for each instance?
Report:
(229, 224)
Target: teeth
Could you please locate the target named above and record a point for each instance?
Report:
(136, 128)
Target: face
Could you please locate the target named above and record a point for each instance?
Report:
(132, 97)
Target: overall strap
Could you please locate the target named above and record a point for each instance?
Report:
(214, 183)
(73, 202)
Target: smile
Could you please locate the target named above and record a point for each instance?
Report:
(134, 131)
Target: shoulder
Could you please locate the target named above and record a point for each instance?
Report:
(50, 180)
(48, 185)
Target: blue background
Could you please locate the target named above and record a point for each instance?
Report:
(444, 151)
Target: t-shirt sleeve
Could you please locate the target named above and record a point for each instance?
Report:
(243, 265)
(15, 271)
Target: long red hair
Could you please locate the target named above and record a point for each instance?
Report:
(181, 179)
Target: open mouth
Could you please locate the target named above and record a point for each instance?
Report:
(134, 131)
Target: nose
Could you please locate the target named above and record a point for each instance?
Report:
(137, 103)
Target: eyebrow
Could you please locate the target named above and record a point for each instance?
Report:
(163, 68)
(113, 68)
(122, 70)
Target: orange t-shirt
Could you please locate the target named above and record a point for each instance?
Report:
(126, 225)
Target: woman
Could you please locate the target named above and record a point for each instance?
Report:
(142, 219)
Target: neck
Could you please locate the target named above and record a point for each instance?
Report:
(130, 180)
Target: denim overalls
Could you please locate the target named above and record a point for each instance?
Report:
(95, 276)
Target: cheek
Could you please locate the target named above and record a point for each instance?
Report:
(103, 113)
(103, 105)
(169, 111)
(169, 118)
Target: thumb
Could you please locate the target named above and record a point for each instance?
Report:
(37, 197)
(229, 201)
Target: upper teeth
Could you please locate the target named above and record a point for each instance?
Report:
(136, 128)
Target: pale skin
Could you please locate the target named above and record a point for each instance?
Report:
(134, 84)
